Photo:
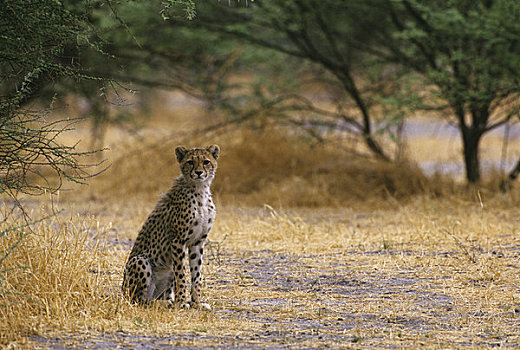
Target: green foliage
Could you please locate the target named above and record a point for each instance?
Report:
(322, 37)
(187, 5)
(469, 53)
(48, 47)
(462, 56)
(35, 43)
(401, 55)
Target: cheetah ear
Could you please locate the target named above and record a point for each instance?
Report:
(180, 152)
(214, 150)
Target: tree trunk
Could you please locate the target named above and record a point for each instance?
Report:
(470, 141)
(350, 87)
(471, 135)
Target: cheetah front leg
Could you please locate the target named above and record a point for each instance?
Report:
(180, 278)
(196, 253)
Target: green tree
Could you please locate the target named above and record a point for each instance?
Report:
(327, 34)
(34, 43)
(47, 46)
(468, 53)
(465, 54)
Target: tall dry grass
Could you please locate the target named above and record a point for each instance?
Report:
(63, 281)
(61, 278)
(267, 167)
(54, 274)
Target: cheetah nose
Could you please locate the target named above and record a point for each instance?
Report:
(198, 172)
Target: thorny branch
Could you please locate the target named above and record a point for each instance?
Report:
(33, 160)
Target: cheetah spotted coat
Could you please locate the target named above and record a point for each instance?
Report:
(179, 224)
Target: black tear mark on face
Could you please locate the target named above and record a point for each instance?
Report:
(180, 153)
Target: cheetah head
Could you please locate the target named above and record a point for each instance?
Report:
(198, 164)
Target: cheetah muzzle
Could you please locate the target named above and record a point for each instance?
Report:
(178, 226)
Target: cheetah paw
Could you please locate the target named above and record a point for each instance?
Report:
(205, 307)
(173, 305)
(201, 306)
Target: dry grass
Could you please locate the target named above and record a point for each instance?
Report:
(265, 167)
(64, 280)
(311, 248)
(428, 272)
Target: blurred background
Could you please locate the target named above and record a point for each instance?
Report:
(313, 102)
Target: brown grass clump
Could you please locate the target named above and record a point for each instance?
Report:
(52, 276)
(265, 167)
(62, 279)
(284, 170)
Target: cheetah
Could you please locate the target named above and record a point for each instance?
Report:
(179, 223)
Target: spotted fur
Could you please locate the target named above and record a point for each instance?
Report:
(178, 226)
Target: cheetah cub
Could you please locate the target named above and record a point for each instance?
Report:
(179, 223)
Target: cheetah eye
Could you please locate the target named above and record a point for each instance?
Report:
(206, 162)
(189, 162)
